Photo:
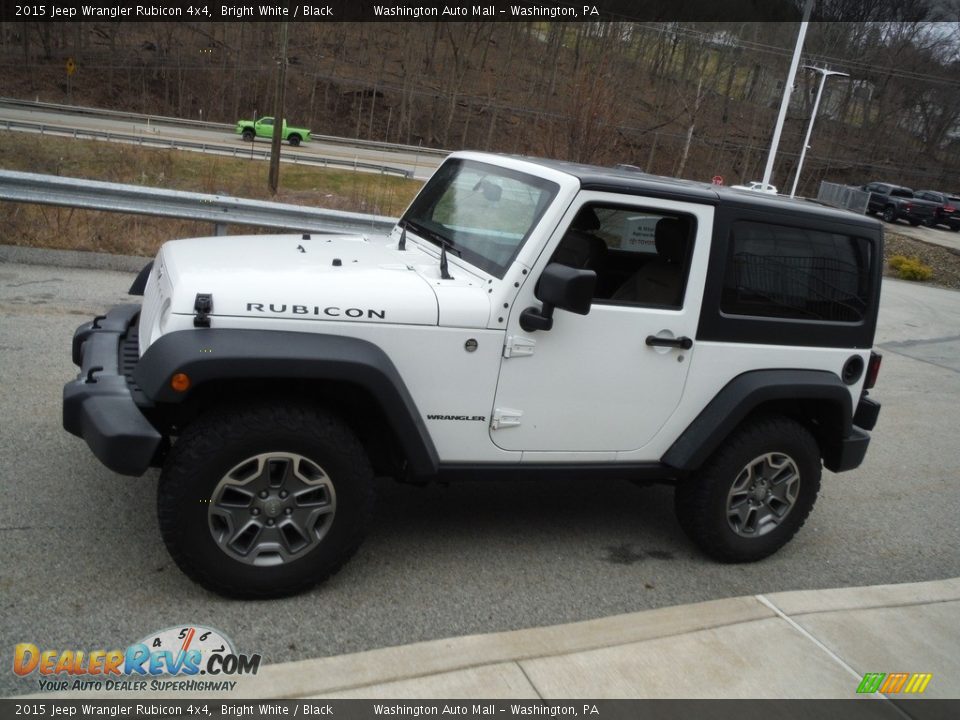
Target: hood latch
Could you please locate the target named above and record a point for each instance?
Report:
(203, 306)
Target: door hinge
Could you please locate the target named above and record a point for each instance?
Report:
(518, 346)
(504, 418)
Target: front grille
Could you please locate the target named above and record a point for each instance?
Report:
(129, 357)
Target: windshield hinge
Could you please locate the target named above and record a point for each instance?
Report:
(518, 346)
(504, 418)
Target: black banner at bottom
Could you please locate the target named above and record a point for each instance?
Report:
(866, 708)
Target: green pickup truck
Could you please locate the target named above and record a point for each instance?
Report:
(263, 127)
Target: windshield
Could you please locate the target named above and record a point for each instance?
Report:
(484, 213)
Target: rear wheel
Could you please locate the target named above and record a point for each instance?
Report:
(754, 493)
(265, 500)
(889, 214)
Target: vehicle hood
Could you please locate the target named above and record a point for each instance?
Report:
(345, 278)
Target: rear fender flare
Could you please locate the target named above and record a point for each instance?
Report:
(744, 394)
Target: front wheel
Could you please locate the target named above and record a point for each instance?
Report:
(754, 493)
(889, 214)
(264, 500)
(294, 140)
(248, 135)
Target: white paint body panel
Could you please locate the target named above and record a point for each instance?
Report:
(592, 384)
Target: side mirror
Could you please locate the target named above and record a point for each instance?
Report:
(561, 287)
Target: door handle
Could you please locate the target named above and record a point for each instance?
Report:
(682, 342)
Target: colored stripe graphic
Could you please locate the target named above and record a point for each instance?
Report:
(871, 682)
(918, 683)
(892, 683)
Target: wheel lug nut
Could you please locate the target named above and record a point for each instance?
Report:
(254, 511)
(283, 493)
(263, 493)
(288, 511)
(270, 522)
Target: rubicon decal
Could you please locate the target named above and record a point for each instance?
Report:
(329, 311)
(187, 650)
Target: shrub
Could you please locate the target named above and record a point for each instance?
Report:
(910, 268)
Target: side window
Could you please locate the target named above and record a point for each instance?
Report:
(641, 256)
(267, 121)
(789, 272)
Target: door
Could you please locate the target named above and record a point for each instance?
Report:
(609, 380)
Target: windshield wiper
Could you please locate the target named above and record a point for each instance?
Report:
(437, 238)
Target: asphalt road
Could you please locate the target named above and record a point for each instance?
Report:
(83, 565)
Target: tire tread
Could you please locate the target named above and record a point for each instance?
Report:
(209, 433)
(695, 504)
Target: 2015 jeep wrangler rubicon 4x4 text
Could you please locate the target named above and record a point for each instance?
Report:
(524, 318)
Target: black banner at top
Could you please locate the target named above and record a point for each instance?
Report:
(477, 11)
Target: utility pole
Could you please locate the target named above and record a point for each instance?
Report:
(274, 178)
(787, 89)
(824, 74)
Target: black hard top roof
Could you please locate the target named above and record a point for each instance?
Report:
(633, 182)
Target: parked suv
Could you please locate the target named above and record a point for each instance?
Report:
(947, 210)
(525, 318)
(894, 202)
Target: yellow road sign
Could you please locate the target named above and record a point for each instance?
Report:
(71, 66)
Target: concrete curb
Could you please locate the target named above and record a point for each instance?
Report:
(71, 259)
(643, 654)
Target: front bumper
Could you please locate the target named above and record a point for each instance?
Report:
(99, 405)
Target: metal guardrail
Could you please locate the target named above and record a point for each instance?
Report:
(220, 210)
(203, 124)
(214, 148)
(847, 197)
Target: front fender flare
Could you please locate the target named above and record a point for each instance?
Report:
(231, 354)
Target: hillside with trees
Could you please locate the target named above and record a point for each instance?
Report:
(686, 99)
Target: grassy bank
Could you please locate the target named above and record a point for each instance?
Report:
(67, 228)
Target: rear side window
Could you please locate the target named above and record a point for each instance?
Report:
(776, 271)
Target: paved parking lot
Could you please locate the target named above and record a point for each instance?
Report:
(84, 565)
(936, 235)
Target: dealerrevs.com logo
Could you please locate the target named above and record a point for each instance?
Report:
(183, 652)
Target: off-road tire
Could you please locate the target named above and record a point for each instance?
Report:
(701, 501)
(889, 214)
(294, 140)
(249, 135)
(225, 437)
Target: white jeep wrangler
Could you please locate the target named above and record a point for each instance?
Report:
(524, 318)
